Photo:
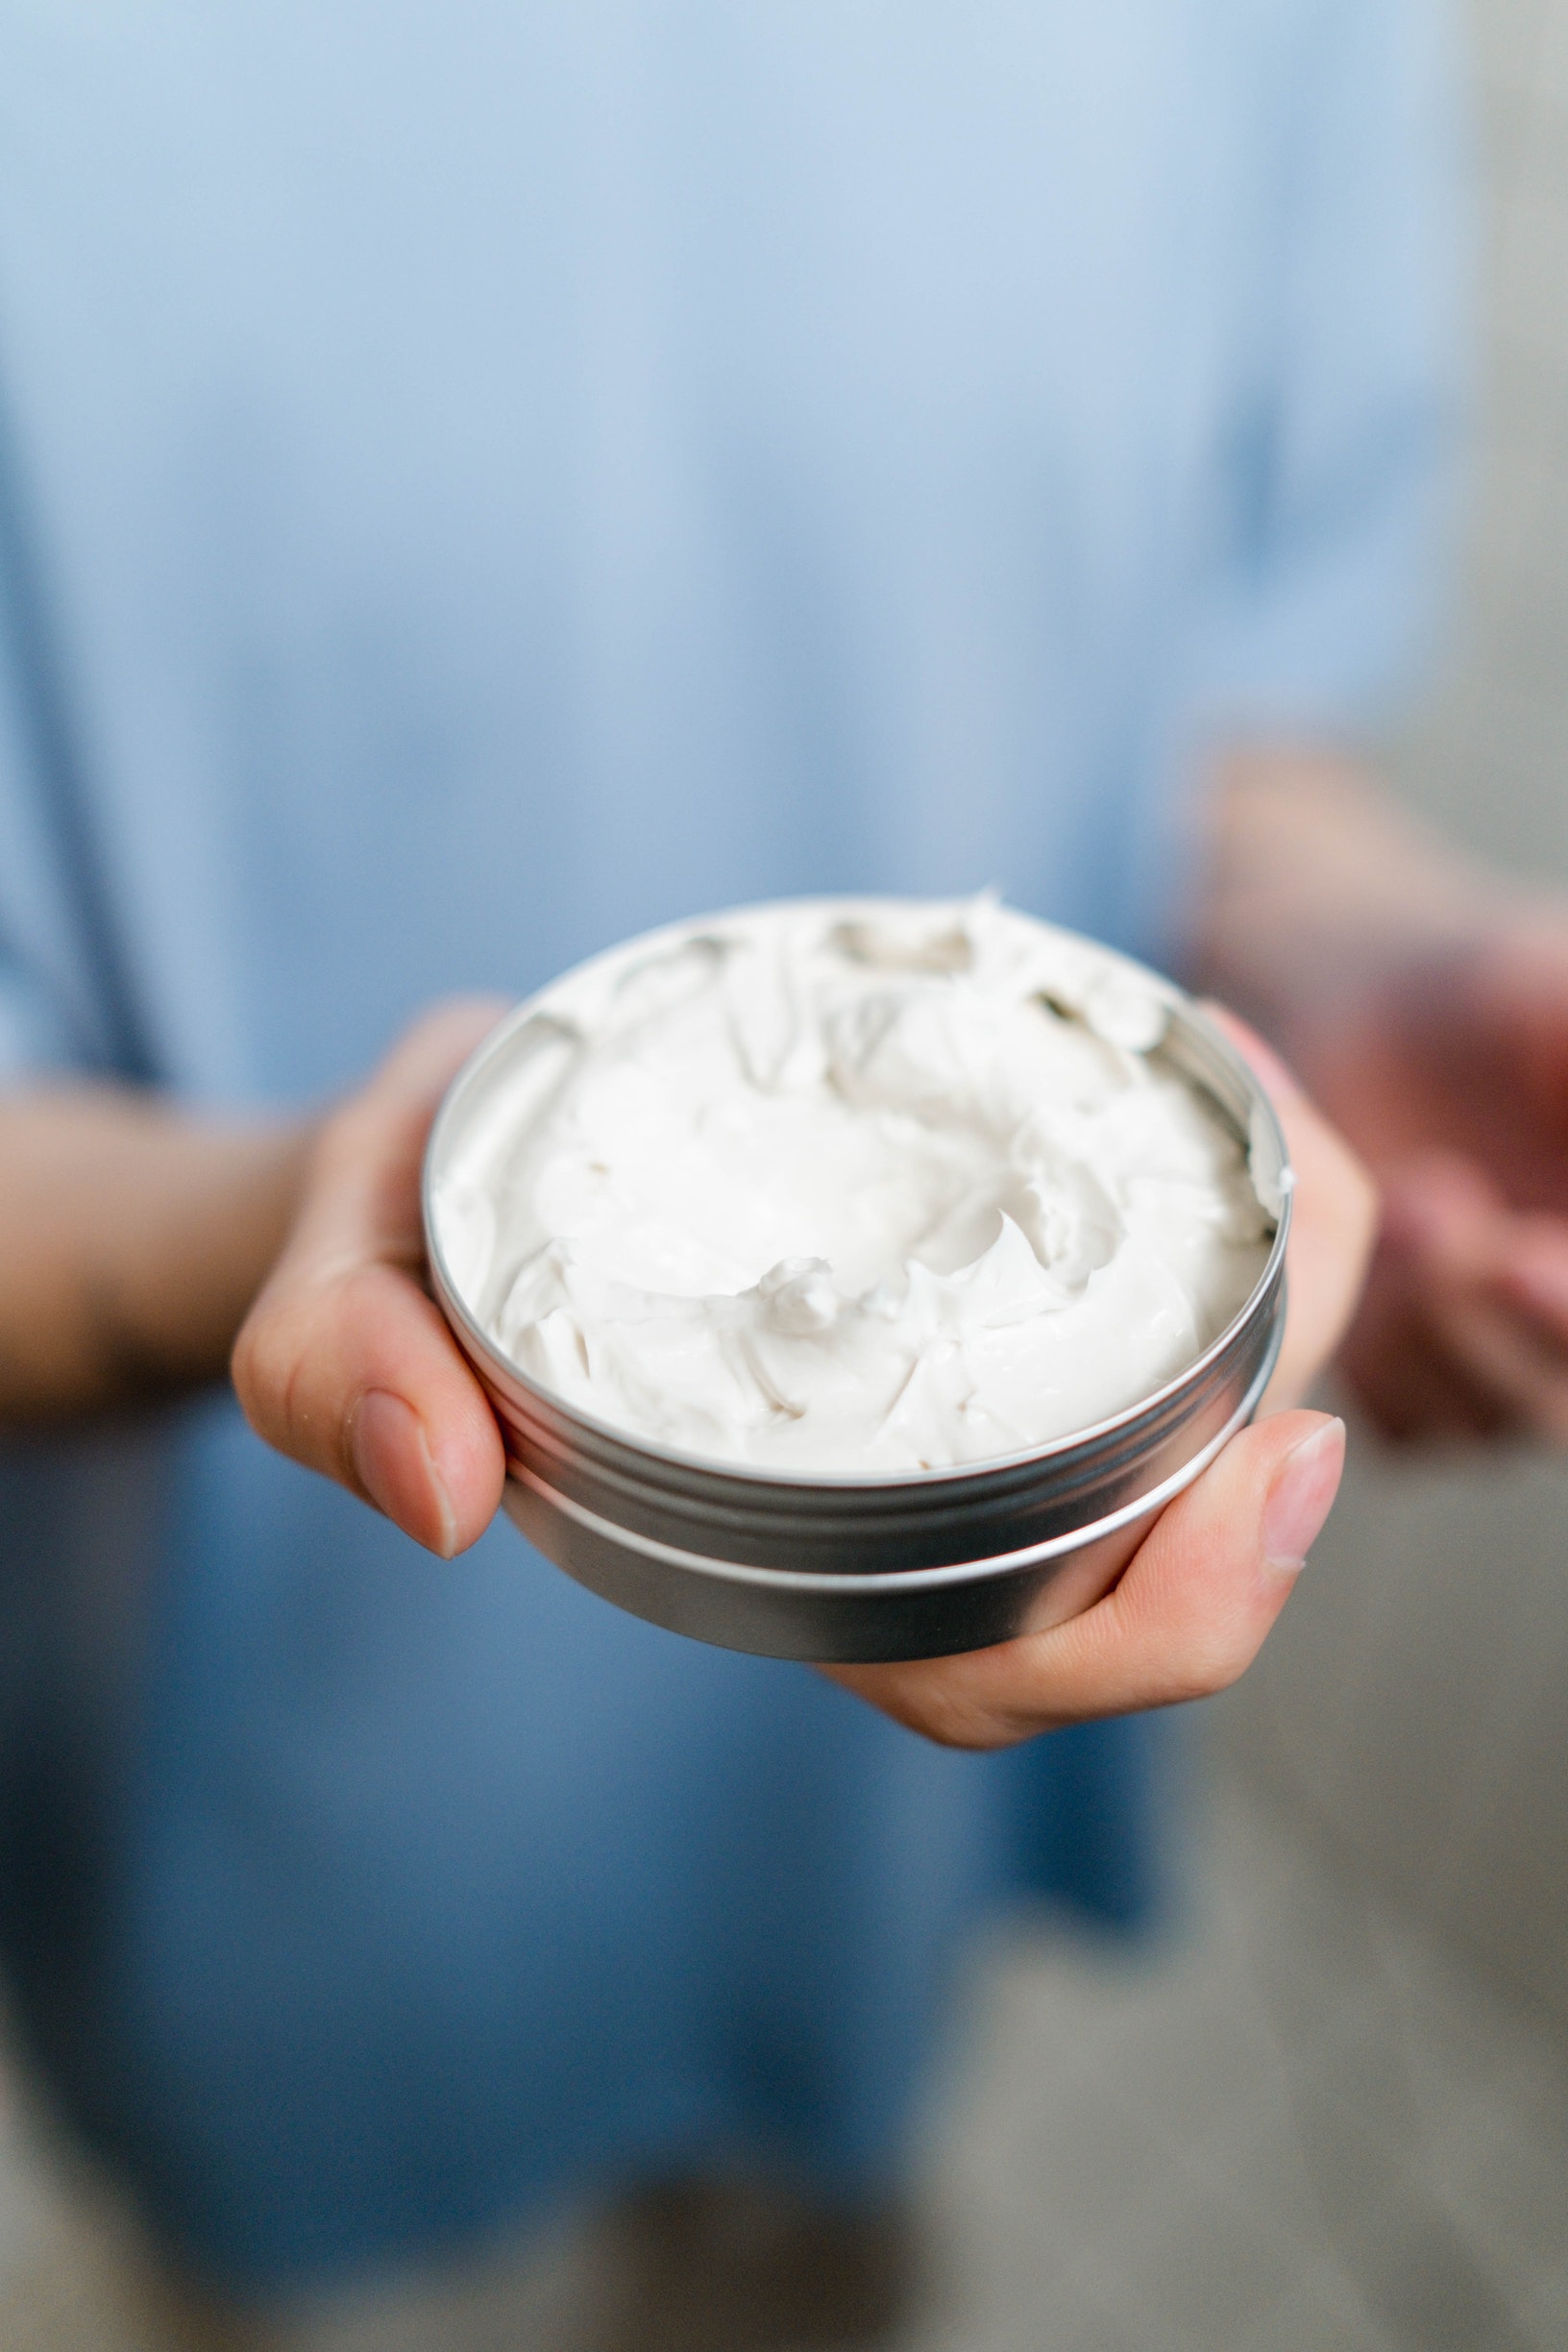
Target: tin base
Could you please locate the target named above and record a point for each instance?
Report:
(842, 1619)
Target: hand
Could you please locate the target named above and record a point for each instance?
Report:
(1191, 1608)
(345, 1362)
(1454, 1081)
(1427, 1002)
(346, 1365)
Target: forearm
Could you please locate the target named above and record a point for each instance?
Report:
(1319, 892)
(132, 1238)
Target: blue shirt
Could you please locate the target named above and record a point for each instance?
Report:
(480, 479)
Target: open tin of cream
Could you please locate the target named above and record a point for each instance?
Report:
(842, 1563)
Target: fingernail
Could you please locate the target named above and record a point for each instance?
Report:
(392, 1461)
(1302, 1496)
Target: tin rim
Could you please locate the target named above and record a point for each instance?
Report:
(896, 1581)
(489, 1359)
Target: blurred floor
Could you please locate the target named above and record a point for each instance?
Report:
(1308, 2132)
(1304, 2130)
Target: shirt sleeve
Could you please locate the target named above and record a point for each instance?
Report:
(35, 1015)
(59, 1001)
(1346, 456)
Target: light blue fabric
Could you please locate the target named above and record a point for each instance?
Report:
(480, 479)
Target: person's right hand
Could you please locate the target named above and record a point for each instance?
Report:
(345, 1362)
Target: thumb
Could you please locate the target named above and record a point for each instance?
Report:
(1186, 1618)
(343, 1361)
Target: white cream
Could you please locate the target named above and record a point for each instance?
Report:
(871, 1187)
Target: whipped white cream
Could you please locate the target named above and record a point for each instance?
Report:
(851, 1187)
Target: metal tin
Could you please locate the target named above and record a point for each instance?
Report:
(844, 1569)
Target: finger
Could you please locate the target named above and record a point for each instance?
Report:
(1533, 1273)
(361, 1380)
(1503, 1356)
(1504, 1359)
(1521, 990)
(1412, 1388)
(1333, 1221)
(344, 1362)
(1462, 1334)
(365, 1204)
(1187, 1616)
(1405, 1358)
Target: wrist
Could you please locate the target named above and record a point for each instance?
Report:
(138, 1237)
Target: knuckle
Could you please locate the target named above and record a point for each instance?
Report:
(1214, 1659)
(929, 1699)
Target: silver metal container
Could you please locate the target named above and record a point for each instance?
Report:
(908, 1565)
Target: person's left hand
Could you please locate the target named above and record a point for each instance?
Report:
(1453, 1080)
(1195, 1602)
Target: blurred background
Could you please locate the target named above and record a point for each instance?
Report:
(1334, 2112)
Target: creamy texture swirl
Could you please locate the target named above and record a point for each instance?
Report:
(836, 1187)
